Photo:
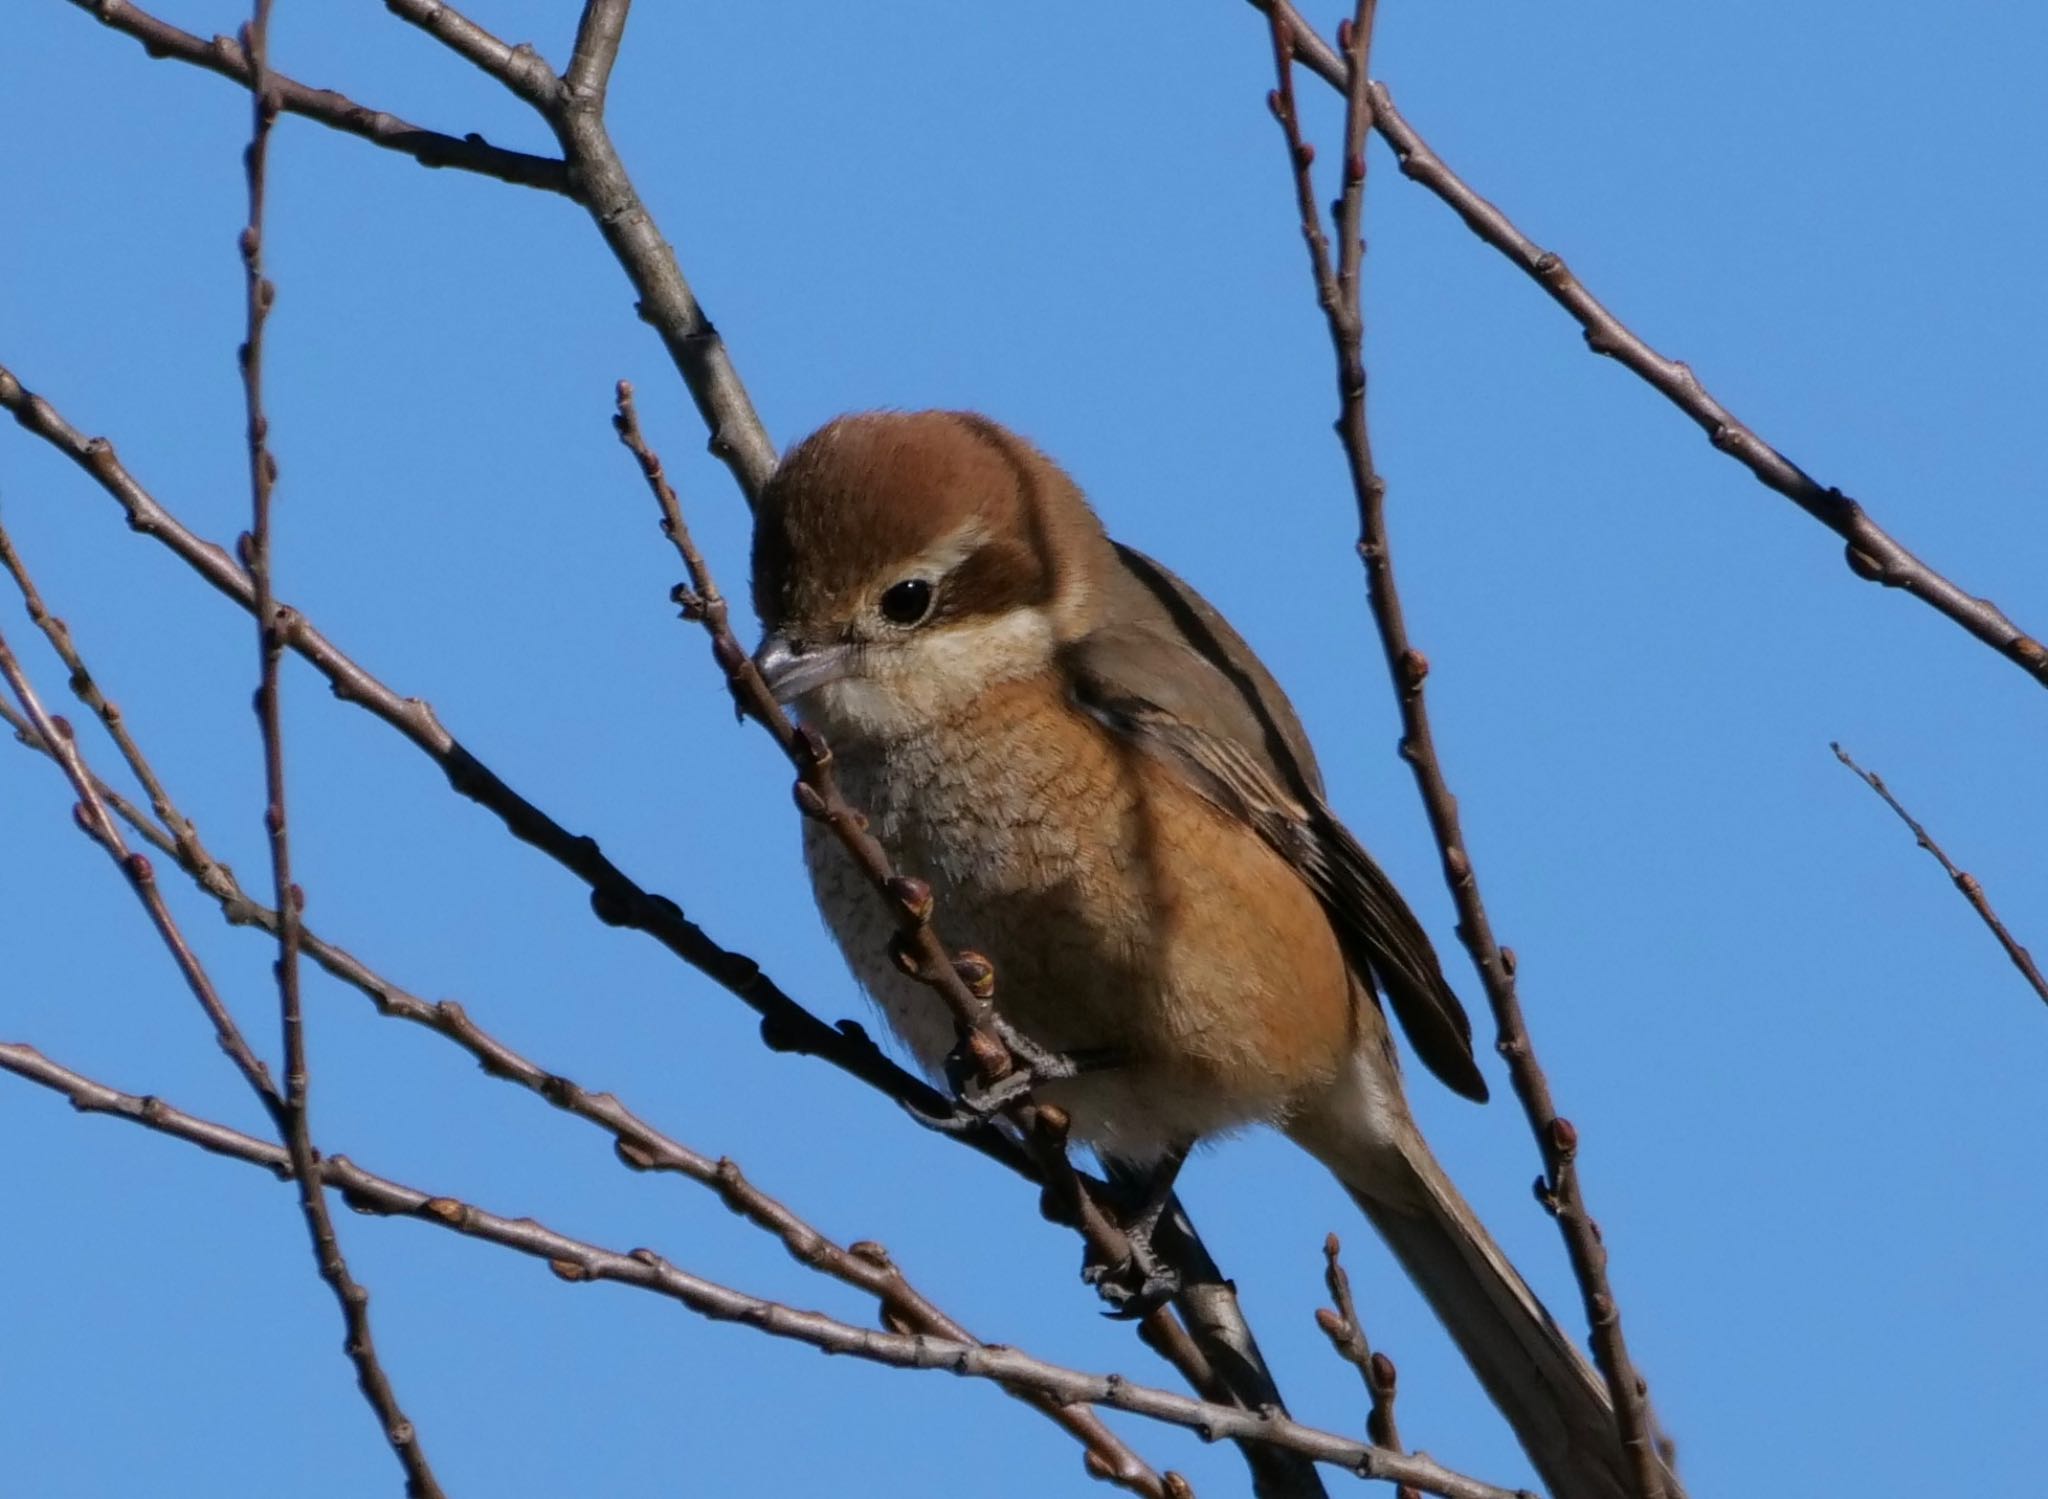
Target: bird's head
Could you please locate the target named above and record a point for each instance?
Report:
(906, 561)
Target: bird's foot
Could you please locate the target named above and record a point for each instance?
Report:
(978, 1102)
(1143, 1282)
(1136, 1286)
(949, 1119)
(1031, 1064)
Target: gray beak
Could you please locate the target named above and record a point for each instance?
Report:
(793, 669)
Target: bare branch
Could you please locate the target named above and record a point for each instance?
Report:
(1355, 38)
(617, 900)
(666, 301)
(293, 1111)
(577, 1260)
(178, 837)
(1872, 552)
(260, 293)
(98, 824)
(1407, 667)
(598, 36)
(430, 148)
(1973, 892)
(519, 67)
(1346, 1332)
(255, 549)
(592, 174)
(637, 1144)
(966, 982)
(786, 1025)
(1307, 44)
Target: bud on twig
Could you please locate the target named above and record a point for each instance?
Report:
(912, 896)
(977, 973)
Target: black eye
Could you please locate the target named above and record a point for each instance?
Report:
(907, 602)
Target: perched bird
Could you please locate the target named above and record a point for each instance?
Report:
(1112, 799)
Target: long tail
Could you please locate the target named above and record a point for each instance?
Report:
(1553, 1399)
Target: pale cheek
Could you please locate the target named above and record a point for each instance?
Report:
(905, 690)
(898, 702)
(865, 708)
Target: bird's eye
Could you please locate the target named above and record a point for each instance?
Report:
(908, 602)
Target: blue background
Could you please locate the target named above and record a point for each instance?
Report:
(1808, 1083)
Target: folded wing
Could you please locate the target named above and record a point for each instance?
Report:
(1152, 687)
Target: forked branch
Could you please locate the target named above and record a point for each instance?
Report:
(576, 1261)
(637, 1144)
(1872, 553)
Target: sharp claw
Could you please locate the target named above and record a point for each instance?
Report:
(986, 1100)
(1136, 1286)
(1146, 1300)
(955, 1121)
(1134, 1289)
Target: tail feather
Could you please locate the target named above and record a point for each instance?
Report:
(1550, 1395)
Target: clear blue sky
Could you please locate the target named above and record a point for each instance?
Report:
(1808, 1084)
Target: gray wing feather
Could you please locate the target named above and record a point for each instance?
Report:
(1224, 725)
(1254, 713)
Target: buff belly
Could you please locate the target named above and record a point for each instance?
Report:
(1210, 978)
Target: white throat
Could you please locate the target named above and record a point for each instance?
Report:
(905, 688)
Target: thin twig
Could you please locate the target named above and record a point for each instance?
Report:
(255, 549)
(598, 179)
(98, 824)
(516, 65)
(1346, 1332)
(576, 1260)
(965, 981)
(666, 301)
(786, 1025)
(181, 839)
(430, 148)
(1972, 891)
(637, 1144)
(617, 899)
(592, 174)
(259, 293)
(293, 1111)
(1407, 667)
(1872, 553)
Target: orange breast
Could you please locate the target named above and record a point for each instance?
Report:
(1123, 912)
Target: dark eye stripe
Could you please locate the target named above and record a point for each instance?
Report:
(997, 578)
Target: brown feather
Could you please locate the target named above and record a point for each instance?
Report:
(1138, 683)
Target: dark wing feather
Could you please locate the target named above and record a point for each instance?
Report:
(1153, 689)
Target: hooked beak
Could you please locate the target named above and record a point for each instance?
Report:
(793, 669)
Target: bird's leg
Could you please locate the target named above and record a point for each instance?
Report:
(1143, 1281)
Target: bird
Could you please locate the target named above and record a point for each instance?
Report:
(1113, 801)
